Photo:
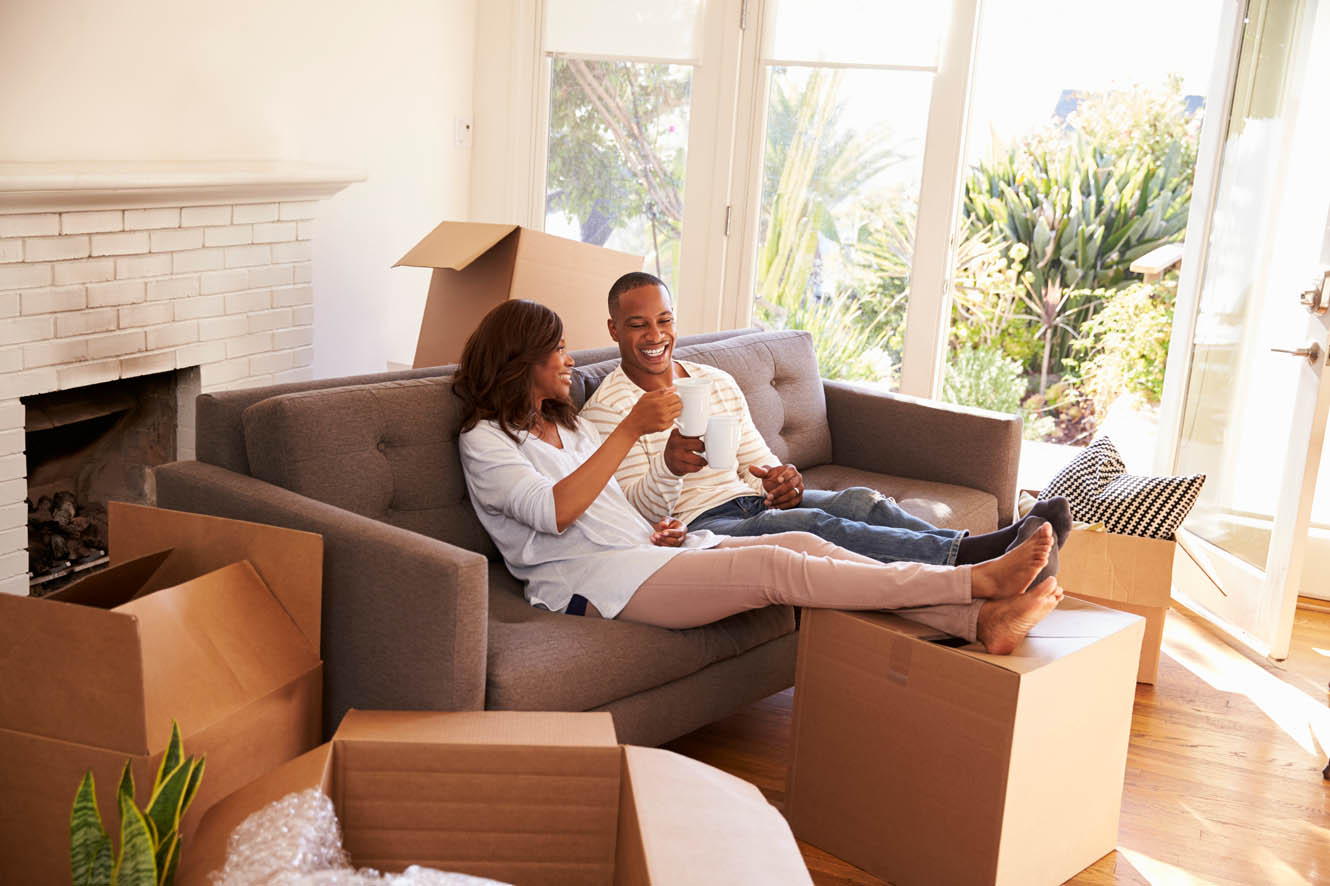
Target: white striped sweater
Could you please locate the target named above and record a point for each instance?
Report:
(650, 486)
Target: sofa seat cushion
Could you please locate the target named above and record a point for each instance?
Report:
(540, 660)
(942, 504)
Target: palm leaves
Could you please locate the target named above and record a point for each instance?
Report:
(1083, 217)
(149, 839)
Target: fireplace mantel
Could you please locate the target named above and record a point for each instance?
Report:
(63, 187)
(112, 272)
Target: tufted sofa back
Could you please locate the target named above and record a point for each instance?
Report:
(388, 450)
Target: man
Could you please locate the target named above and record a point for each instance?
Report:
(665, 474)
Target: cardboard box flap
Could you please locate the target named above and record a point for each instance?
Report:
(454, 245)
(289, 561)
(95, 652)
(212, 645)
(207, 848)
(519, 728)
(516, 796)
(109, 587)
(699, 825)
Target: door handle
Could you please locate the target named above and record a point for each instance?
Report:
(1317, 299)
(1312, 352)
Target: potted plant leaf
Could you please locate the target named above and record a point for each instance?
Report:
(149, 838)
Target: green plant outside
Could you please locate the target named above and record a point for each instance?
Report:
(1082, 216)
(1123, 348)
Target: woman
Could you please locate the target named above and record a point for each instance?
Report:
(542, 483)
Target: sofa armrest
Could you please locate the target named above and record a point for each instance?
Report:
(405, 616)
(926, 440)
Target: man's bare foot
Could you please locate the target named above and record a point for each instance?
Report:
(1011, 574)
(1004, 623)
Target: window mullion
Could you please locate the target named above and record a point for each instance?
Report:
(929, 310)
(712, 141)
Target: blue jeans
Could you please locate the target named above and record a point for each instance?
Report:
(858, 519)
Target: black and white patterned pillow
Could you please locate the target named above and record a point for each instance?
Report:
(1083, 478)
(1099, 489)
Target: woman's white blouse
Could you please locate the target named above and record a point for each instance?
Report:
(604, 555)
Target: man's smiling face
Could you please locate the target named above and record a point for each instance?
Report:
(643, 325)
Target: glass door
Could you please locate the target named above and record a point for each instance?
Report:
(1254, 407)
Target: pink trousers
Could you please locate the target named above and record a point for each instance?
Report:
(698, 587)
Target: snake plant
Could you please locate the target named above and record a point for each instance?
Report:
(149, 838)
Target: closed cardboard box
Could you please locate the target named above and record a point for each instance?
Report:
(213, 623)
(479, 266)
(524, 798)
(1125, 572)
(924, 763)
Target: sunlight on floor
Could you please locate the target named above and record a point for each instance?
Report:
(1319, 651)
(1161, 873)
(1306, 720)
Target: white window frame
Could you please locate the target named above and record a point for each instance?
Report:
(722, 191)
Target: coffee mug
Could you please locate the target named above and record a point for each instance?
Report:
(722, 442)
(695, 394)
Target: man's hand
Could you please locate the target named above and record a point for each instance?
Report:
(669, 533)
(654, 411)
(683, 455)
(784, 485)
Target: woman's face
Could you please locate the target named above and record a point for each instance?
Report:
(552, 379)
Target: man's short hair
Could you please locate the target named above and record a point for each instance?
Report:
(630, 281)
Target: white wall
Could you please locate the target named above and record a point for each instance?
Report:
(374, 87)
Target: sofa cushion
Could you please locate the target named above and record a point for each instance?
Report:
(942, 504)
(538, 660)
(386, 451)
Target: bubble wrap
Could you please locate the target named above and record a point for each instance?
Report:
(297, 841)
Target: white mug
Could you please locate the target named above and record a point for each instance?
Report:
(722, 442)
(695, 394)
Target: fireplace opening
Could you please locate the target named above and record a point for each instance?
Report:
(85, 447)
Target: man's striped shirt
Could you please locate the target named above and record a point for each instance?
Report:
(648, 483)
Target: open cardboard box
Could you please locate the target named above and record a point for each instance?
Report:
(923, 762)
(478, 266)
(1125, 572)
(524, 798)
(211, 622)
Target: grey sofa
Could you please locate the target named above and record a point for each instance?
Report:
(419, 612)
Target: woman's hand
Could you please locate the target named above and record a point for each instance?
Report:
(669, 533)
(654, 411)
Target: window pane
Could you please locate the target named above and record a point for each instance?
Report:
(1048, 318)
(840, 190)
(617, 143)
(895, 32)
(624, 28)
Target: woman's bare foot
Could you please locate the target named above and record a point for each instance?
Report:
(1011, 574)
(1004, 623)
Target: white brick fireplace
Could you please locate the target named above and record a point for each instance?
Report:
(125, 273)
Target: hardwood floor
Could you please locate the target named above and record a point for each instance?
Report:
(1223, 785)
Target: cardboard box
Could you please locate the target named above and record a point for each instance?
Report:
(478, 266)
(213, 623)
(923, 763)
(1125, 572)
(524, 798)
